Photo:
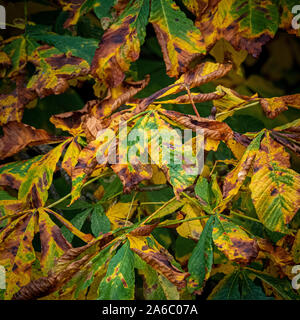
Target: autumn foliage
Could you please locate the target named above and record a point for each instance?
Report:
(74, 228)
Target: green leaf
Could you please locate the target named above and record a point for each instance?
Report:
(201, 261)
(179, 39)
(227, 288)
(282, 286)
(77, 222)
(119, 281)
(99, 221)
(79, 47)
(250, 291)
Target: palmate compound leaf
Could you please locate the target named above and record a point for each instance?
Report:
(245, 24)
(65, 268)
(119, 282)
(179, 39)
(165, 150)
(233, 241)
(120, 44)
(274, 186)
(200, 263)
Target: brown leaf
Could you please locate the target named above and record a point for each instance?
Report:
(274, 106)
(213, 129)
(18, 135)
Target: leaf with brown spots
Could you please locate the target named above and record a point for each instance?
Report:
(38, 180)
(120, 44)
(116, 97)
(246, 24)
(274, 186)
(233, 241)
(17, 136)
(158, 258)
(235, 178)
(12, 105)
(12, 174)
(54, 69)
(119, 281)
(53, 243)
(274, 106)
(180, 40)
(16, 251)
(202, 73)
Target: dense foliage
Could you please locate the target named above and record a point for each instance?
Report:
(72, 227)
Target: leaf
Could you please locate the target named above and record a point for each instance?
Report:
(227, 288)
(12, 174)
(281, 286)
(231, 102)
(119, 213)
(99, 221)
(274, 106)
(16, 251)
(77, 222)
(79, 8)
(179, 39)
(235, 178)
(152, 287)
(54, 69)
(53, 243)
(245, 24)
(180, 170)
(274, 187)
(190, 229)
(13, 104)
(80, 47)
(287, 16)
(233, 241)
(15, 50)
(200, 74)
(211, 129)
(204, 194)
(249, 290)
(200, 263)
(84, 237)
(119, 281)
(66, 267)
(18, 135)
(116, 97)
(158, 258)
(34, 188)
(71, 156)
(120, 44)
